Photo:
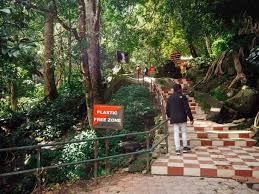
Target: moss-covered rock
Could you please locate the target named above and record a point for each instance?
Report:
(137, 166)
(246, 101)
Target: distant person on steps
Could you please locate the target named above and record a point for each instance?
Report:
(177, 109)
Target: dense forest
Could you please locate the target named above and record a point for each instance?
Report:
(58, 59)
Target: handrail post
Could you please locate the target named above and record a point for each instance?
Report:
(96, 145)
(38, 176)
(107, 166)
(148, 153)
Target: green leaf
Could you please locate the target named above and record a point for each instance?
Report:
(6, 10)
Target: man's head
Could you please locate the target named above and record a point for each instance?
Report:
(177, 88)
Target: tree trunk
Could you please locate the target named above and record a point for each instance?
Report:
(60, 64)
(240, 74)
(93, 17)
(85, 64)
(193, 50)
(50, 89)
(14, 101)
(208, 45)
(69, 55)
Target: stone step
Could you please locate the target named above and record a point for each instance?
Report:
(218, 134)
(241, 142)
(225, 162)
(205, 129)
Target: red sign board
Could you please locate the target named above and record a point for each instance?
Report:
(108, 116)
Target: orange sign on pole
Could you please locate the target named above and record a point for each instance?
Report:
(108, 116)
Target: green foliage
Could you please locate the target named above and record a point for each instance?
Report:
(200, 62)
(218, 46)
(77, 152)
(219, 95)
(137, 165)
(137, 106)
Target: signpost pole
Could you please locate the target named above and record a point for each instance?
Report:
(107, 166)
(96, 163)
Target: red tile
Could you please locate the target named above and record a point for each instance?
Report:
(187, 165)
(238, 163)
(203, 155)
(223, 136)
(199, 128)
(244, 135)
(218, 128)
(245, 173)
(189, 158)
(229, 143)
(250, 143)
(206, 143)
(175, 171)
(249, 160)
(226, 167)
(202, 135)
(206, 162)
(208, 172)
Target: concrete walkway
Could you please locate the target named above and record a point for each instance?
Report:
(142, 184)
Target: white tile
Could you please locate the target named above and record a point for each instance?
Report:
(246, 157)
(204, 159)
(240, 143)
(174, 164)
(255, 174)
(217, 143)
(209, 166)
(159, 170)
(191, 161)
(192, 172)
(241, 167)
(252, 163)
(234, 160)
(226, 173)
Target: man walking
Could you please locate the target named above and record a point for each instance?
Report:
(177, 109)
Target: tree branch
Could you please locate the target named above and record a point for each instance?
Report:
(68, 28)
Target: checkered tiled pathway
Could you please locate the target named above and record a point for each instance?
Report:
(210, 162)
(218, 150)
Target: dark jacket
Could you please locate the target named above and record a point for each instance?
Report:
(177, 108)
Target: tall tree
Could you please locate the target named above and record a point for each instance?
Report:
(50, 89)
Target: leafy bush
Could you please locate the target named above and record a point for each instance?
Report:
(219, 95)
(137, 106)
(77, 152)
(200, 62)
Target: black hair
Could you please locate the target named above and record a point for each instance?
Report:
(177, 87)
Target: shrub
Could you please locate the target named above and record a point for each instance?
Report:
(219, 95)
(200, 62)
(77, 152)
(137, 106)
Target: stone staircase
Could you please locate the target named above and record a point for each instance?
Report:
(218, 150)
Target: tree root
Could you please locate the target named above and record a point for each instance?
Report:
(215, 68)
(240, 77)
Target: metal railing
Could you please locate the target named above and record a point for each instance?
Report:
(149, 149)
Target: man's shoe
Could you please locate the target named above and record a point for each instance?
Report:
(178, 152)
(186, 149)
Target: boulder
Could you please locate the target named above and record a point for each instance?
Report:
(246, 101)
